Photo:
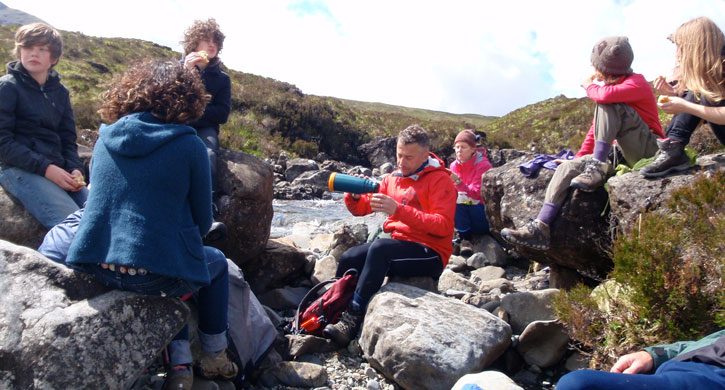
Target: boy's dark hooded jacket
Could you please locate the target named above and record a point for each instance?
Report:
(37, 127)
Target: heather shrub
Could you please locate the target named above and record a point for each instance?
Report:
(667, 282)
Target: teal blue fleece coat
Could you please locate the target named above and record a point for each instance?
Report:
(150, 200)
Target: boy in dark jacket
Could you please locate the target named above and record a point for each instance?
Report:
(202, 43)
(39, 163)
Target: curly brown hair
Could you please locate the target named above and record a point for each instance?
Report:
(166, 89)
(39, 34)
(199, 30)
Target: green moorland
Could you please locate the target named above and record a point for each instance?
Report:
(270, 115)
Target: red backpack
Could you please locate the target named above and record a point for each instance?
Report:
(327, 308)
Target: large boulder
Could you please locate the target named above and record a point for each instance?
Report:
(297, 166)
(281, 263)
(60, 329)
(631, 195)
(16, 224)
(579, 235)
(317, 179)
(380, 150)
(246, 183)
(423, 340)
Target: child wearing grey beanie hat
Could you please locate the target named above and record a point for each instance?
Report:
(613, 56)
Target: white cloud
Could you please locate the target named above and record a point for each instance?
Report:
(457, 56)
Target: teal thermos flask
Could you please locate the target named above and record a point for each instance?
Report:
(353, 184)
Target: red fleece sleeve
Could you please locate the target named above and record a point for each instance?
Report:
(588, 143)
(358, 207)
(625, 92)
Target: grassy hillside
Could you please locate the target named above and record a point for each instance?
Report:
(267, 115)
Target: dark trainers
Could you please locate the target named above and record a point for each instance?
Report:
(215, 366)
(534, 235)
(345, 329)
(179, 379)
(670, 158)
(217, 232)
(594, 175)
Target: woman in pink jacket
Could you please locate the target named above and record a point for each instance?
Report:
(470, 164)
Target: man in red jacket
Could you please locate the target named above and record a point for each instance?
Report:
(420, 200)
(626, 112)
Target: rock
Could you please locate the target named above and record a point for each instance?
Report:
(298, 345)
(424, 341)
(70, 332)
(527, 307)
(487, 273)
(577, 361)
(456, 264)
(631, 194)
(543, 343)
(387, 168)
(246, 206)
(492, 252)
(317, 179)
(325, 269)
(481, 301)
(379, 151)
(477, 260)
(17, 225)
(320, 242)
(450, 280)
(360, 232)
(297, 166)
(285, 190)
(579, 238)
(295, 374)
(493, 380)
(501, 284)
(360, 170)
(563, 278)
(283, 298)
(342, 240)
(281, 262)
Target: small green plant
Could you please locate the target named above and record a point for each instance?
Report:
(668, 277)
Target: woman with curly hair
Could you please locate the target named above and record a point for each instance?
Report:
(150, 204)
(698, 96)
(202, 43)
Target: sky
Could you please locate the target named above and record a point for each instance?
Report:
(459, 56)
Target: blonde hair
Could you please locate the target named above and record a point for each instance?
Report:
(39, 34)
(700, 44)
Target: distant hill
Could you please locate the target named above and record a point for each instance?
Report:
(270, 115)
(9, 16)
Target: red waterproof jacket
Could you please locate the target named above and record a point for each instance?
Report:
(426, 207)
(470, 173)
(636, 92)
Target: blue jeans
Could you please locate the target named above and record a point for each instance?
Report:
(43, 199)
(671, 375)
(471, 217)
(212, 301)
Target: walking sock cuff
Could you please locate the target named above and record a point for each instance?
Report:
(548, 213)
(601, 150)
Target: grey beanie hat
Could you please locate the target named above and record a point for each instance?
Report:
(613, 56)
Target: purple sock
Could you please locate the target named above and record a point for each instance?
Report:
(548, 213)
(601, 150)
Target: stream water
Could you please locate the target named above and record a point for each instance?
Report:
(313, 217)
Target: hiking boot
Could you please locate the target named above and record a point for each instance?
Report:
(534, 235)
(217, 232)
(214, 366)
(670, 158)
(345, 329)
(179, 379)
(594, 175)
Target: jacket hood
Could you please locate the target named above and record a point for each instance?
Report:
(434, 163)
(139, 134)
(17, 69)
